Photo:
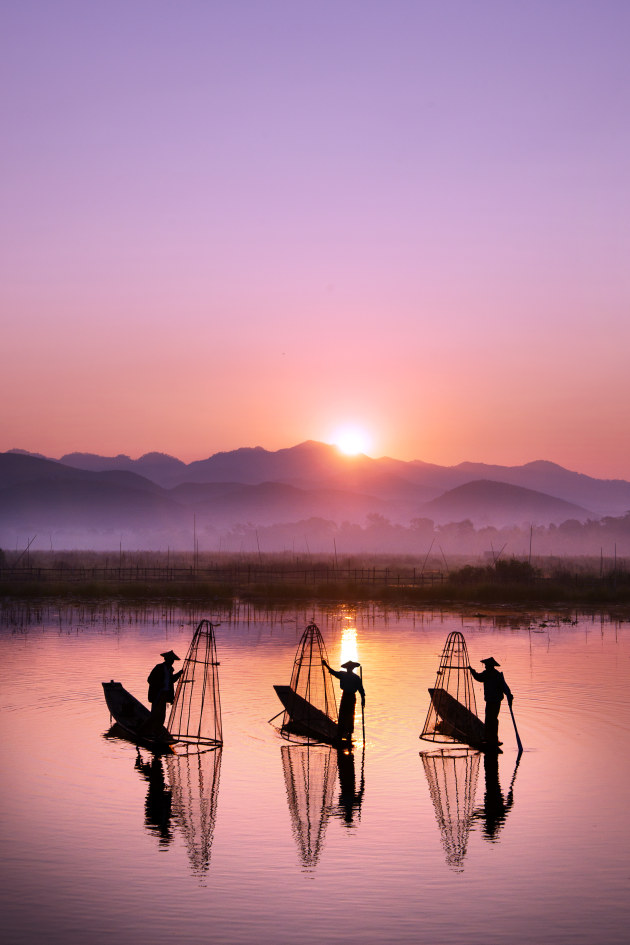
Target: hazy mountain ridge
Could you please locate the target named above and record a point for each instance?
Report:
(17, 468)
(311, 463)
(253, 487)
(159, 467)
(84, 504)
(604, 496)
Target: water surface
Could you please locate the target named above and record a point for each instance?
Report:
(268, 842)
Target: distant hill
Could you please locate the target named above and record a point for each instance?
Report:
(159, 467)
(485, 502)
(40, 506)
(307, 465)
(603, 496)
(312, 464)
(41, 493)
(157, 500)
(17, 467)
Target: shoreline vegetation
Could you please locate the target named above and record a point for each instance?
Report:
(284, 578)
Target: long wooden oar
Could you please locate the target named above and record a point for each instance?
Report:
(362, 710)
(518, 739)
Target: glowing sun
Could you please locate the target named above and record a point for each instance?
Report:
(352, 440)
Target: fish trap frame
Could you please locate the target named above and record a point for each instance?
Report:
(311, 682)
(452, 715)
(195, 717)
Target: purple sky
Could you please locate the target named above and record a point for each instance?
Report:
(250, 223)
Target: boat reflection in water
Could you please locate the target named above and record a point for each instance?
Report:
(182, 797)
(309, 776)
(452, 777)
(350, 799)
(495, 807)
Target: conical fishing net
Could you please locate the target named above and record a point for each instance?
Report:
(311, 706)
(452, 715)
(196, 713)
(452, 778)
(309, 776)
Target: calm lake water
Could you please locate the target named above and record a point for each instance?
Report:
(271, 843)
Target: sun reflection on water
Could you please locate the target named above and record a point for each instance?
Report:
(349, 647)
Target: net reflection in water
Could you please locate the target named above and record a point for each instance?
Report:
(194, 784)
(309, 775)
(452, 778)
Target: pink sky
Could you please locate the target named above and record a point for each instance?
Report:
(249, 223)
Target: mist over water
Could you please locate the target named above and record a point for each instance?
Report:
(265, 841)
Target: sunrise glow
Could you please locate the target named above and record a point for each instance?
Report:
(364, 274)
(352, 440)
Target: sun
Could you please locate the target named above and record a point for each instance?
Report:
(352, 440)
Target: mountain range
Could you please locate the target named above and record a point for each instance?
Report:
(85, 498)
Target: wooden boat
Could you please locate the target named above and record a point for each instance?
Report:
(134, 719)
(305, 719)
(455, 721)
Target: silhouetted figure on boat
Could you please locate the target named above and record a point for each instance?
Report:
(158, 803)
(350, 685)
(494, 688)
(161, 681)
(349, 798)
(495, 805)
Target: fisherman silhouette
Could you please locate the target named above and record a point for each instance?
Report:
(494, 688)
(495, 805)
(350, 685)
(158, 803)
(350, 799)
(161, 682)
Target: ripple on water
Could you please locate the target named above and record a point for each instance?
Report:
(95, 839)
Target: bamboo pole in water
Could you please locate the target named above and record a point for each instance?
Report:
(518, 739)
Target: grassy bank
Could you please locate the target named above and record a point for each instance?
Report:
(452, 591)
(281, 579)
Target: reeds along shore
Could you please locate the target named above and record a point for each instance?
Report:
(286, 577)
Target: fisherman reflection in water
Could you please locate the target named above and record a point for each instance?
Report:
(158, 803)
(161, 681)
(350, 799)
(494, 688)
(495, 805)
(350, 685)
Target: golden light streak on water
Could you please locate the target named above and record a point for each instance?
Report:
(349, 647)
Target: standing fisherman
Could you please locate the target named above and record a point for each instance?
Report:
(161, 682)
(494, 688)
(350, 685)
